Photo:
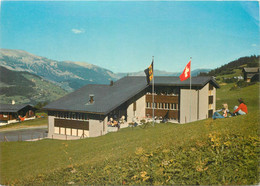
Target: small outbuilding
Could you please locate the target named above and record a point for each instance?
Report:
(11, 112)
(251, 74)
(87, 111)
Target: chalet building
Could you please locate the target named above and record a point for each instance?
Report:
(87, 111)
(251, 74)
(10, 112)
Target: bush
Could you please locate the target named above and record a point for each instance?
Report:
(229, 80)
(241, 84)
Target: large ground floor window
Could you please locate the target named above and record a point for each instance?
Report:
(71, 127)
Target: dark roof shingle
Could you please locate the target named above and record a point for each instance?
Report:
(12, 108)
(251, 69)
(107, 98)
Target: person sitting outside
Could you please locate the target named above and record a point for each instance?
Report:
(241, 109)
(224, 110)
(21, 118)
(114, 124)
(109, 123)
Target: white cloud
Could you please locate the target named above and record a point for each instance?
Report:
(77, 31)
(254, 45)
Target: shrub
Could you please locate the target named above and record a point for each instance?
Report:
(241, 84)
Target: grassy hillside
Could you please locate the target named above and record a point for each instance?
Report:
(223, 151)
(24, 87)
(252, 61)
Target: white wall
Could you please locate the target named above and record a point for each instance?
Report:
(140, 109)
(188, 100)
(96, 127)
(200, 97)
(50, 126)
(204, 102)
(130, 113)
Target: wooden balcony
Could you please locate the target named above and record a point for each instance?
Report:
(174, 114)
(162, 98)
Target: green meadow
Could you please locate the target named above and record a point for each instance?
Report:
(222, 151)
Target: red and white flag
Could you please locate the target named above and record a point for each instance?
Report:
(186, 72)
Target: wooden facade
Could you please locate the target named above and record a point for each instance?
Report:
(84, 125)
(251, 74)
(165, 106)
(27, 112)
(6, 116)
(71, 127)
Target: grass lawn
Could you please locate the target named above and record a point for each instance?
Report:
(223, 151)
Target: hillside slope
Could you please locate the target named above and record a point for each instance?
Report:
(67, 74)
(229, 68)
(207, 152)
(24, 87)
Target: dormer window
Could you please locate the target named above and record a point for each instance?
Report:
(91, 99)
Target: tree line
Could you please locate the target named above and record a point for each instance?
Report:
(249, 61)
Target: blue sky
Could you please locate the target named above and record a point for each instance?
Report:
(123, 36)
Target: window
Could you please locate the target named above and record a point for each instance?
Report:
(210, 99)
(134, 106)
(91, 99)
(148, 105)
(210, 87)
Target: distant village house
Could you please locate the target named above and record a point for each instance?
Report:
(10, 113)
(87, 111)
(251, 74)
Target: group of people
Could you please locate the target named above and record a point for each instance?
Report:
(116, 123)
(238, 110)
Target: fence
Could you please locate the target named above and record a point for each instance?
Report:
(23, 135)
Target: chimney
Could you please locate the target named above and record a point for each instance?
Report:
(111, 83)
(13, 102)
(91, 98)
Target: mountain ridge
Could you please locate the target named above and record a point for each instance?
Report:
(24, 87)
(70, 75)
(67, 74)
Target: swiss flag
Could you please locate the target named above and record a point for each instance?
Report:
(186, 72)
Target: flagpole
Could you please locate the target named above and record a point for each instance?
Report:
(190, 88)
(153, 91)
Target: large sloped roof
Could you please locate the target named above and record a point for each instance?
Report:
(12, 108)
(175, 81)
(251, 69)
(107, 98)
